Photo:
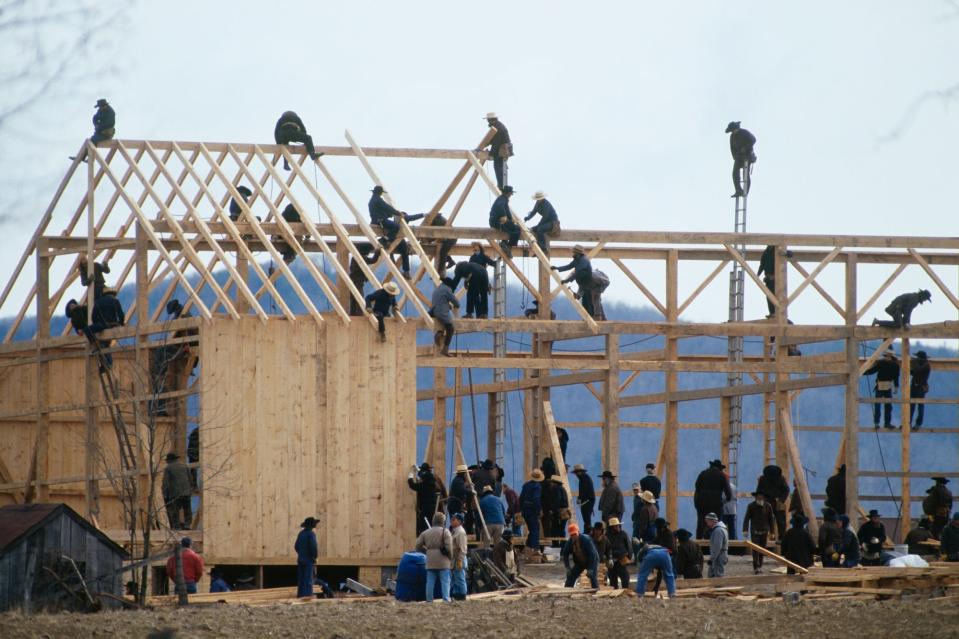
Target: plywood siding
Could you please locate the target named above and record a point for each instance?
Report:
(307, 420)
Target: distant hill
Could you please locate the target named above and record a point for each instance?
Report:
(819, 407)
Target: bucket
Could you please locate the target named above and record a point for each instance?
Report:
(411, 577)
(901, 548)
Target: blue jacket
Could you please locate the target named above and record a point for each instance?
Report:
(592, 557)
(582, 269)
(380, 210)
(531, 497)
(218, 585)
(500, 209)
(306, 547)
(381, 302)
(104, 118)
(482, 259)
(546, 210)
(492, 508)
(107, 310)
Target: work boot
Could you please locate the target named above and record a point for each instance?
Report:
(889, 426)
(875, 322)
(468, 316)
(316, 156)
(445, 352)
(481, 317)
(286, 165)
(738, 194)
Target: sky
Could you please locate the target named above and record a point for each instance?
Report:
(616, 109)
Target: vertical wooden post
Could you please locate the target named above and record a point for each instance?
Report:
(43, 372)
(671, 434)
(438, 434)
(906, 422)
(611, 407)
(343, 257)
(529, 438)
(781, 354)
(852, 389)
(143, 382)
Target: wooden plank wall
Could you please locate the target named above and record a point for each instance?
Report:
(307, 420)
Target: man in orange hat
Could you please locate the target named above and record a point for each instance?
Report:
(582, 552)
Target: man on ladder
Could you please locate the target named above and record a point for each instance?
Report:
(741, 143)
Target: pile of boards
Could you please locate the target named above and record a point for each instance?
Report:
(939, 581)
(262, 597)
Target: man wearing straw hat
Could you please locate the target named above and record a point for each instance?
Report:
(500, 148)
(583, 274)
(620, 551)
(548, 223)
(381, 303)
(531, 505)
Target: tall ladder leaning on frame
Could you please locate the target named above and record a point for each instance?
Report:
(735, 342)
(499, 349)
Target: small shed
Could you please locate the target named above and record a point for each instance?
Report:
(51, 558)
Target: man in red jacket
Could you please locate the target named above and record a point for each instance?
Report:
(192, 566)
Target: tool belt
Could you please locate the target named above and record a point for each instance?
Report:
(554, 232)
(884, 385)
(108, 133)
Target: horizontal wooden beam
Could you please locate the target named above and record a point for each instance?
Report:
(733, 391)
(509, 385)
(380, 152)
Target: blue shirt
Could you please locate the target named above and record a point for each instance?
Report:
(306, 547)
(492, 508)
(531, 497)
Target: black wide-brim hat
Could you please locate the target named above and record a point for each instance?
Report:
(732, 126)
(310, 522)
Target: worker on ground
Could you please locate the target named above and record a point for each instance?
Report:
(531, 505)
(477, 288)
(429, 492)
(77, 314)
(99, 268)
(774, 486)
(760, 523)
(949, 540)
(887, 377)
(836, 490)
(689, 556)
(548, 225)
(580, 551)
(872, 554)
(177, 490)
(504, 556)
(586, 495)
(645, 514)
(500, 148)
(217, 582)
(501, 219)
(900, 309)
(918, 535)
(555, 505)
(548, 466)
(919, 370)
(830, 538)
(611, 499)
(651, 482)
(598, 534)
(938, 504)
(494, 514)
(664, 536)
(730, 509)
(513, 511)
(381, 216)
(290, 128)
(382, 303)
(442, 308)
(582, 274)
(192, 566)
(443, 247)
(718, 545)
(872, 528)
(649, 558)
(712, 488)
(307, 550)
(848, 545)
(437, 544)
(797, 544)
(458, 560)
(620, 553)
(369, 254)
(461, 494)
(741, 145)
(488, 474)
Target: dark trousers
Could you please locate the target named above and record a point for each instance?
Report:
(511, 229)
(730, 521)
(618, 574)
(586, 295)
(532, 528)
(917, 392)
(586, 510)
(780, 522)
(103, 136)
(572, 575)
(304, 579)
(499, 168)
(540, 231)
(876, 408)
(741, 171)
(402, 248)
(477, 298)
(177, 506)
(359, 281)
(444, 337)
(379, 323)
(770, 283)
(702, 532)
(758, 538)
(289, 134)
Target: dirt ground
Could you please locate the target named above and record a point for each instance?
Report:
(570, 618)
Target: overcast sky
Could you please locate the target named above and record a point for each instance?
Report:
(616, 109)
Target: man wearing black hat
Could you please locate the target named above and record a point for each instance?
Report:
(741, 143)
(307, 550)
(759, 522)
(177, 489)
(887, 377)
(583, 275)
(798, 546)
(500, 148)
(611, 499)
(104, 122)
(830, 538)
(586, 495)
(900, 309)
(689, 556)
(651, 482)
(712, 489)
(938, 504)
(381, 215)
(836, 490)
(428, 492)
(77, 314)
(919, 370)
(872, 528)
(235, 209)
(501, 219)
(773, 485)
(290, 128)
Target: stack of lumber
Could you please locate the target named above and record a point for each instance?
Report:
(543, 592)
(264, 597)
(883, 582)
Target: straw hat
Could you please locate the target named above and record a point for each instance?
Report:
(579, 468)
(536, 475)
(647, 496)
(539, 195)
(614, 521)
(461, 468)
(490, 116)
(391, 288)
(579, 249)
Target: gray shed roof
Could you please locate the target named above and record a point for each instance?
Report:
(19, 520)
